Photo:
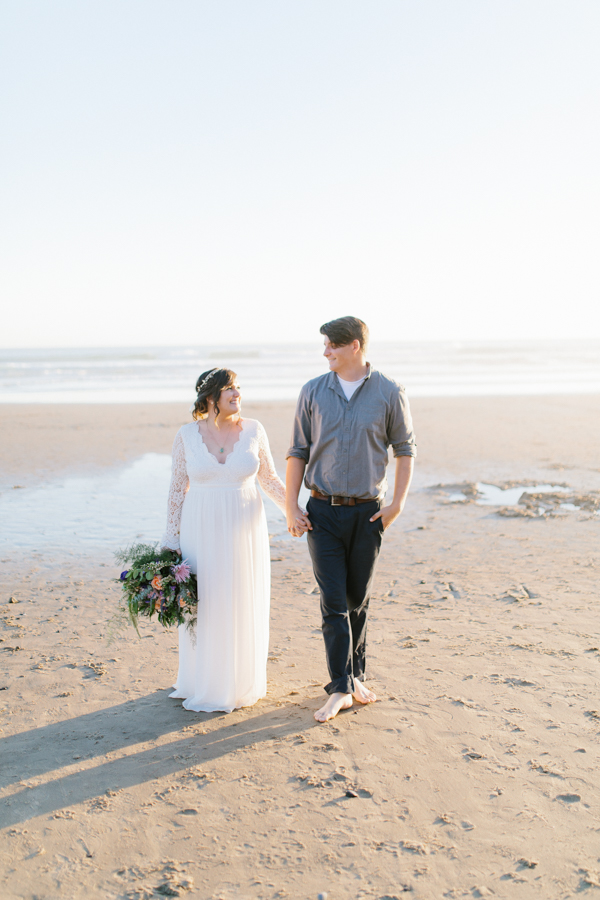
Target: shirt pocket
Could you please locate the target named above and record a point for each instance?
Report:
(371, 437)
(371, 416)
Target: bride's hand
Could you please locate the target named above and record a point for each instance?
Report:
(298, 522)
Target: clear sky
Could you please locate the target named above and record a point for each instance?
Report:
(213, 171)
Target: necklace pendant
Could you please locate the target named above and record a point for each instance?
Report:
(222, 450)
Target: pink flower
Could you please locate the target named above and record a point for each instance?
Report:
(181, 572)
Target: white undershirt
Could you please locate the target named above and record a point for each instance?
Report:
(349, 387)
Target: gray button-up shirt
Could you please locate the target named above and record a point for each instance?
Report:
(345, 442)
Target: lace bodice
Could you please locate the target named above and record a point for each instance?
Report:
(193, 463)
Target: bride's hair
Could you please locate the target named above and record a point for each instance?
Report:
(209, 387)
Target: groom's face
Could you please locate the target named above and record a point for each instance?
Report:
(339, 356)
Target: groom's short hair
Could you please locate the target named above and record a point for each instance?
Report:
(345, 330)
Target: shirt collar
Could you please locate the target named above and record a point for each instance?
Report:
(334, 382)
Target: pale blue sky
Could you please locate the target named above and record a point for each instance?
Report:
(243, 170)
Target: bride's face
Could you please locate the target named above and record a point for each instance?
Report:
(230, 400)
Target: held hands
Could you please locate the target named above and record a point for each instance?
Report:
(297, 521)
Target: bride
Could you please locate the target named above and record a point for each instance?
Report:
(216, 520)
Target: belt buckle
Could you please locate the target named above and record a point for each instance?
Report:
(335, 499)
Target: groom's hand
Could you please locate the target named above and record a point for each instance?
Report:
(387, 514)
(297, 521)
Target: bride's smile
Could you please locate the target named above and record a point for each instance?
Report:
(231, 399)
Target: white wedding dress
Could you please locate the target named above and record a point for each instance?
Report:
(216, 517)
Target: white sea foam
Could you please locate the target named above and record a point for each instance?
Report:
(165, 374)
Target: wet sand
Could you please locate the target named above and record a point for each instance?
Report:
(474, 775)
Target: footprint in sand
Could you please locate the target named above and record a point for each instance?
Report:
(544, 770)
(589, 878)
(415, 847)
(473, 754)
(527, 863)
(443, 819)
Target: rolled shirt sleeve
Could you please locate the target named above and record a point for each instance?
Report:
(400, 432)
(302, 430)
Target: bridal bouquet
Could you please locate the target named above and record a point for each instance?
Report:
(157, 581)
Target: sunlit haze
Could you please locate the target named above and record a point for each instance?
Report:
(233, 172)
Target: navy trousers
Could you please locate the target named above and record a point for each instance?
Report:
(344, 547)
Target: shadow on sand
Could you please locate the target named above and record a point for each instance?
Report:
(116, 729)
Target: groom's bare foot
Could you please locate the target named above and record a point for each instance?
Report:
(362, 694)
(334, 703)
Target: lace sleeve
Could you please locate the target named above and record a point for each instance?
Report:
(268, 478)
(179, 487)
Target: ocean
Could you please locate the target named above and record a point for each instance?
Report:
(276, 372)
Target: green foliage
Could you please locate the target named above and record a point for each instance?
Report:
(150, 586)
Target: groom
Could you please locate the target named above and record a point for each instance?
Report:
(345, 422)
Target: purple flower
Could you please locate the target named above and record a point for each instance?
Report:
(123, 575)
(181, 572)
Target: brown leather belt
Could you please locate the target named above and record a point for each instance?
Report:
(340, 501)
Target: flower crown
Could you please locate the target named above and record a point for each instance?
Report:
(205, 381)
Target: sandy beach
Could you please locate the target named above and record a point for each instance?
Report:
(474, 775)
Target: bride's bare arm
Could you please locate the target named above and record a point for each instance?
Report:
(268, 478)
(179, 487)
